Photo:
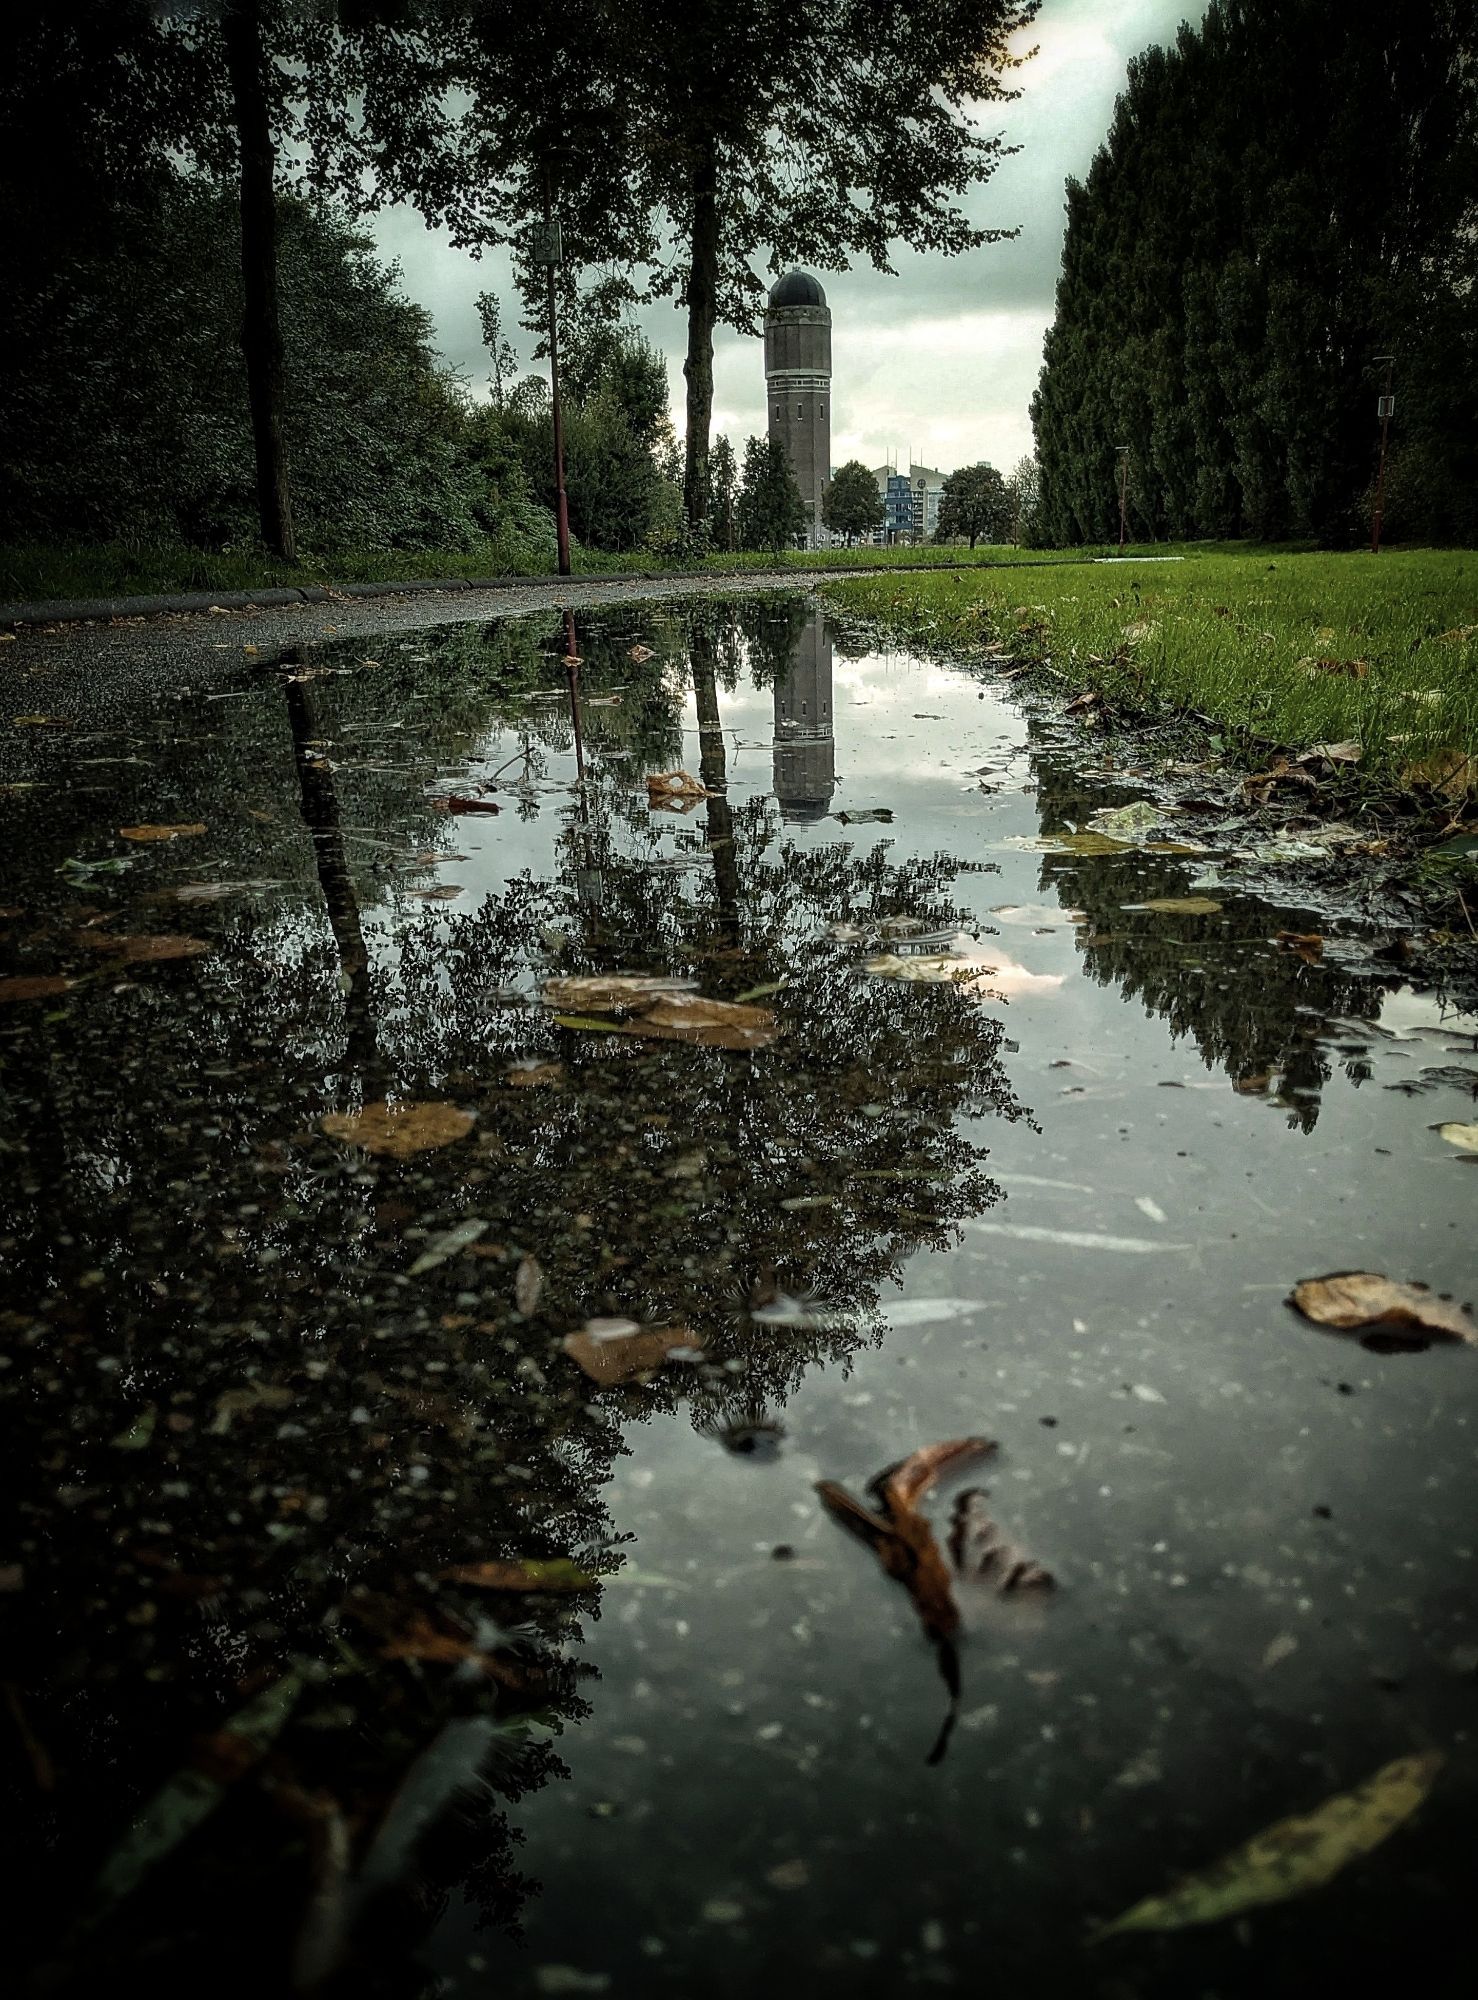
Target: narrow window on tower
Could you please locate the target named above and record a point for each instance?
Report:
(800, 409)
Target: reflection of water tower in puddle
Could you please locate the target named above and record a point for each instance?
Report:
(805, 749)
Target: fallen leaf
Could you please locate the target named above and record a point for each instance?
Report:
(535, 1075)
(438, 1640)
(454, 802)
(1069, 843)
(1307, 945)
(1291, 1856)
(399, 1130)
(146, 833)
(1464, 1137)
(1353, 670)
(38, 722)
(903, 1542)
(33, 986)
(611, 993)
(977, 968)
(448, 1244)
(1350, 1300)
(1178, 906)
(528, 1286)
(188, 1798)
(1347, 752)
(640, 654)
(611, 1351)
(664, 788)
(556, 1573)
(980, 1549)
(1123, 822)
(241, 1402)
(1450, 773)
(153, 950)
(660, 1011)
(442, 893)
(866, 816)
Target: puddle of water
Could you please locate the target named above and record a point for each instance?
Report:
(266, 1389)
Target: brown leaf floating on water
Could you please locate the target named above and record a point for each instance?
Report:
(1352, 1301)
(454, 802)
(612, 1351)
(673, 790)
(553, 1573)
(1307, 945)
(150, 833)
(981, 1549)
(399, 1130)
(33, 986)
(903, 1542)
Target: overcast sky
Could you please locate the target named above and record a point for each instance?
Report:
(939, 360)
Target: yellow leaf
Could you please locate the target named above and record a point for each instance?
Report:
(1352, 1299)
(1292, 1856)
(1464, 1137)
(398, 1130)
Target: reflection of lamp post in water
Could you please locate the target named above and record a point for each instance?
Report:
(547, 249)
(589, 882)
(805, 747)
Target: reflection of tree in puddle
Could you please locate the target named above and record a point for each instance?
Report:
(254, 1438)
(1252, 1007)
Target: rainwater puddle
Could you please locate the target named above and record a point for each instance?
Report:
(1045, 1177)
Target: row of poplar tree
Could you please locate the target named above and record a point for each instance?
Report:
(1286, 197)
(195, 170)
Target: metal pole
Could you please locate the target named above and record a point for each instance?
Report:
(561, 502)
(572, 671)
(1123, 491)
(1387, 404)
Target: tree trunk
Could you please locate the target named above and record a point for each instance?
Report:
(261, 336)
(972, 538)
(702, 313)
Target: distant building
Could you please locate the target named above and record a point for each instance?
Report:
(910, 503)
(798, 386)
(805, 746)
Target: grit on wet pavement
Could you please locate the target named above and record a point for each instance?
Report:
(497, 1111)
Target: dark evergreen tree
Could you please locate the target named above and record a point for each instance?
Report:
(771, 512)
(1285, 195)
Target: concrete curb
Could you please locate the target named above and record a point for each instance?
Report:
(77, 610)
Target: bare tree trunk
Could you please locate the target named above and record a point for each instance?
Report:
(702, 313)
(261, 336)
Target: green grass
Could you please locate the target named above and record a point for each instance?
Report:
(1292, 649)
(36, 572)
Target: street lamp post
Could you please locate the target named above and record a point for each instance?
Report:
(548, 251)
(1123, 451)
(1385, 409)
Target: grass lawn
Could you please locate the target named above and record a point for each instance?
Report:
(37, 572)
(1295, 649)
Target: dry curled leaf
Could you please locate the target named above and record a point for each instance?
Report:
(1357, 1300)
(981, 1549)
(666, 788)
(640, 654)
(535, 1075)
(1179, 906)
(903, 1542)
(399, 1130)
(1464, 1137)
(442, 893)
(1291, 1856)
(148, 833)
(611, 1351)
(1307, 945)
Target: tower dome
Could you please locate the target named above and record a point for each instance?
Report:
(797, 288)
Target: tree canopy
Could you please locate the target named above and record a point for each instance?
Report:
(974, 504)
(852, 504)
(1285, 196)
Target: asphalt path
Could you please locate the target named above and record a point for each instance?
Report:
(39, 661)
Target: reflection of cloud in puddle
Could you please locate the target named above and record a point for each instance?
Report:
(988, 973)
(1405, 1012)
